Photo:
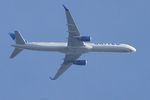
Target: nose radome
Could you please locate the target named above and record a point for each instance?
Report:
(132, 49)
(129, 47)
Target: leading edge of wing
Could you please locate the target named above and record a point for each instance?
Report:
(72, 30)
(68, 61)
(61, 70)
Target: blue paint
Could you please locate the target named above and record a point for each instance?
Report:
(12, 35)
(80, 62)
(65, 8)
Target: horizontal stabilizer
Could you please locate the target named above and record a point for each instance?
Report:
(15, 52)
(19, 40)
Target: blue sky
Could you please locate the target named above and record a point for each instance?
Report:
(107, 76)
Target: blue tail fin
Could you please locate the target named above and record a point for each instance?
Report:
(12, 35)
(18, 38)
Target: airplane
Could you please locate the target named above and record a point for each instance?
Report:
(73, 48)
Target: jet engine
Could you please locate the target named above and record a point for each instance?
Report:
(80, 62)
(84, 38)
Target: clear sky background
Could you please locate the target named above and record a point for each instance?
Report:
(107, 76)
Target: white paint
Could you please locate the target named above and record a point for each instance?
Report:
(88, 47)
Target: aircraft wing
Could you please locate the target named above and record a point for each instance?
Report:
(68, 61)
(72, 30)
(72, 41)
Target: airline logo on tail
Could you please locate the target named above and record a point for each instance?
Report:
(17, 37)
(13, 36)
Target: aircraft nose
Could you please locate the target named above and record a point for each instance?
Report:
(132, 49)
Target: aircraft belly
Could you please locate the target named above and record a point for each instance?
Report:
(76, 50)
(46, 48)
(109, 49)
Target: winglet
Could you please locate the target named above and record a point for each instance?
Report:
(66, 9)
(51, 78)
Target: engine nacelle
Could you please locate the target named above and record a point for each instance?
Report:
(84, 38)
(80, 62)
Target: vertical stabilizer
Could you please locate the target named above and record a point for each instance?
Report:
(19, 40)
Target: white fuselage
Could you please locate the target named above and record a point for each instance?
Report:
(88, 47)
